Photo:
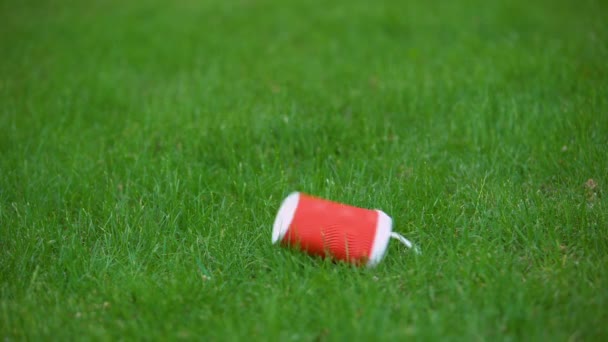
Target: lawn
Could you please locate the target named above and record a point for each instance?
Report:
(145, 148)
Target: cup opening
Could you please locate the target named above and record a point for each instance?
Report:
(384, 227)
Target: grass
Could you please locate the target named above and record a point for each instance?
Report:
(146, 146)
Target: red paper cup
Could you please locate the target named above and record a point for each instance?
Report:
(326, 228)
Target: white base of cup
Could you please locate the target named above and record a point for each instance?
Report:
(384, 227)
(285, 216)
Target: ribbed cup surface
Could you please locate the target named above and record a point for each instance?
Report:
(323, 227)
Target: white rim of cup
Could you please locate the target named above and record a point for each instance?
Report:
(384, 227)
(284, 216)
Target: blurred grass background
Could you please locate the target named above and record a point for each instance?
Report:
(146, 146)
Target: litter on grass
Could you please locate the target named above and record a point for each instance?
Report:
(325, 228)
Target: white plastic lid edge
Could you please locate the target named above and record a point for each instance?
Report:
(384, 227)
